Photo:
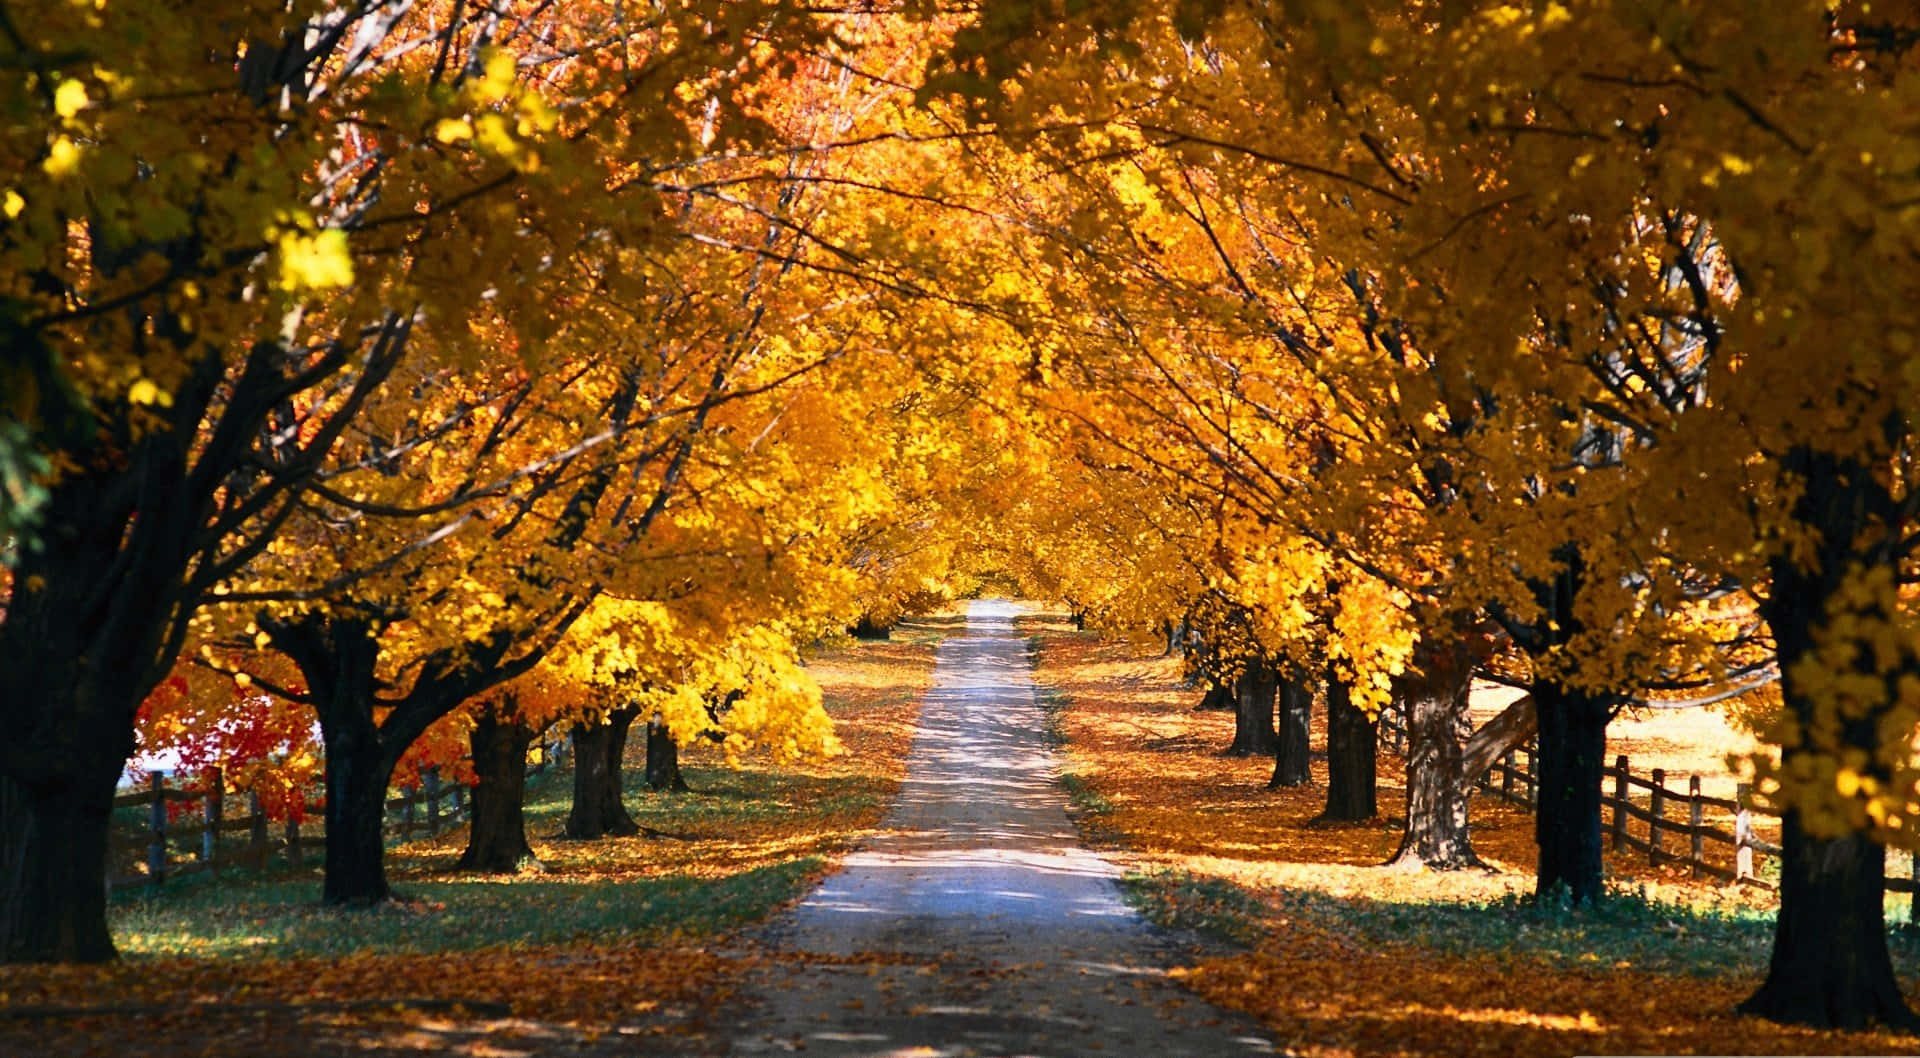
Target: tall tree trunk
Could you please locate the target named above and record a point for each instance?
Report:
(357, 776)
(497, 839)
(1292, 762)
(55, 859)
(338, 654)
(1830, 966)
(1566, 820)
(338, 651)
(1437, 724)
(1254, 698)
(598, 810)
(1352, 740)
(663, 759)
(91, 624)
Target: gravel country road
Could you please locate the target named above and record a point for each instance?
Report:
(977, 924)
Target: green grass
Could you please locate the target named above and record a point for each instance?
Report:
(1625, 926)
(1084, 797)
(1053, 706)
(282, 917)
(1211, 906)
(276, 911)
(724, 797)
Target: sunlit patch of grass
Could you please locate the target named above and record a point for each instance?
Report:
(281, 917)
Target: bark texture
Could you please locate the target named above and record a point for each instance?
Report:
(1566, 819)
(1830, 966)
(55, 859)
(338, 655)
(1292, 761)
(663, 759)
(1255, 693)
(1352, 743)
(1435, 702)
(598, 786)
(1219, 697)
(497, 839)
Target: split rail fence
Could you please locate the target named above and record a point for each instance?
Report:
(1645, 814)
(202, 837)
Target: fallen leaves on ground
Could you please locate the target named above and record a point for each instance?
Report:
(414, 985)
(1218, 851)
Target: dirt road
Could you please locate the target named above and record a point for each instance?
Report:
(978, 925)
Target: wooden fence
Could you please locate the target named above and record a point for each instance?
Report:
(1645, 814)
(204, 839)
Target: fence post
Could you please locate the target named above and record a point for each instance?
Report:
(257, 832)
(431, 778)
(1620, 802)
(1657, 809)
(293, 841)
(459, 795)
(1699, 851)
(157, 831)
(406, 813)
(1742, 834)
(214, 810)
(1506, 775)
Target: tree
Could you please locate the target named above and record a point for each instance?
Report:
(1291, 759)
(375, 151)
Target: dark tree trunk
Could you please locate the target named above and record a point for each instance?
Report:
(868, 628)
(1292, 762)
(1219, 697)
(92, 623)
(598, 810)
(1435, 702)
(1254, 697)
(497, 839)
(338, 654)
(1352, 739)
(663, 759)
(1830, 965)
(55, 858)
(356, 866)
(1566, 821)
(1572, 727)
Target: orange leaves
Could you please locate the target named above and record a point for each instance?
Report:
(1348, 958)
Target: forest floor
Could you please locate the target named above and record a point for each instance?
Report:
(1344, 957)
(612, 948)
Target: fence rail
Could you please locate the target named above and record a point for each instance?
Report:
(1514, 778)
(426, 810)
(200, 843)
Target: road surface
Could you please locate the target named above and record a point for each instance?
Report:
(977, 924)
